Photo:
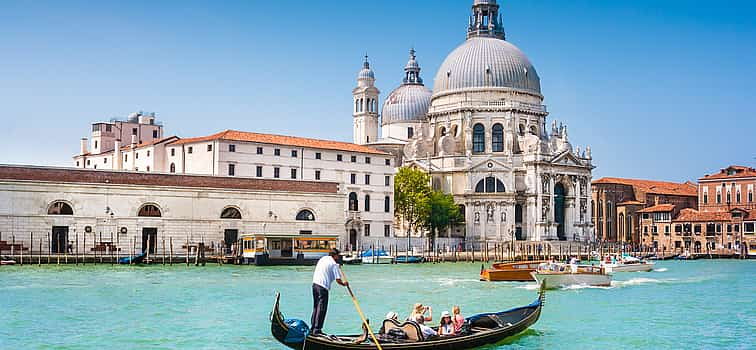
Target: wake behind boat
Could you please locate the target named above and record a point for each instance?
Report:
(478, 330)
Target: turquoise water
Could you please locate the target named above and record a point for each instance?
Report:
(694, 304)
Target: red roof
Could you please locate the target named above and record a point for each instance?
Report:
(233, 135)
(105, 177)
(731, 172)
(631, 203)
(650, 186)
(693, 215)
(659, 208)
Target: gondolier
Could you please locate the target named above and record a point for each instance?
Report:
(326, 271)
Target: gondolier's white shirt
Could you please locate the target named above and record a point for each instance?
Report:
(326, 272)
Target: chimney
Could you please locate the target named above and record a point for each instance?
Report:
(84, 146)
(117, 158)
(133, 141)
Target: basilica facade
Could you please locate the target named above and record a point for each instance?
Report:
(482, 134)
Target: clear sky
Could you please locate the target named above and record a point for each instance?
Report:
(659, 89)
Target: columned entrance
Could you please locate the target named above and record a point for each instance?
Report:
(149, 239)
(59, 239)
(559, 210)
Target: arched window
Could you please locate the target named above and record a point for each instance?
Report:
(356, 105)
(353, 204)
(149, 210)
(367, 202)
(497, 138)
(522, 130)
(387, 204)
(410, 132)
(621, 225)
(305, 215)
(490, 185)
(479, 138)
(442, 131)
(534, 130)
(59, 208)
(462, 212)
(173, 168)
(455, 130)
(231, 213)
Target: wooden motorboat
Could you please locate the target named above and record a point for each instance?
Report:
(628, 264)
(137, 259)
(514, 272)
(551, 276)
(478, 330)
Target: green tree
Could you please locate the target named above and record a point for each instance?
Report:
(412, 198)
(443, 214)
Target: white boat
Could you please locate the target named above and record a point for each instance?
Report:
(376, 257)
(628, 264)
(563, 275)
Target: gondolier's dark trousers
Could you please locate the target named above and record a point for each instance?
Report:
(319, 307)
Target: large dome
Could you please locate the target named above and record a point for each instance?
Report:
(407, 103)
(486, 62)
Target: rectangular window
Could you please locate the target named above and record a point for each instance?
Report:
(232, 148)
(645, 229)
(276, 173)
(259, 150)
(258, 171)
(729, 228)
(386, 230)
(697, 229)
(173, 152)
(293, 173)
(133, 131)
(410, 132)
(277, 152)
(737, 228)
(353, 179)
(748, 227)
(367, 203)
(190, 149)
(231, 169)
(388, 162)
(666, 230)
(387, 204)
(317, 174)
(125, 157)
(645, 215)
(339, 158)
(367, 160)
(317, 155)
(108, 128)
(136, 155)
(719, 198)
(354, 159)
(148, 153)
(154, 134)
(655, 229)
(367, 230)
(706, 198)
(387, 180)
(105, 160)
(294, 153)
(678, 229)
(367, 179)
(95, 144)
(209, 148)
(750, 197)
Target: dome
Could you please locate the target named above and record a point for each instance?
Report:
(366, 72)
(483, 61)
(407, 103)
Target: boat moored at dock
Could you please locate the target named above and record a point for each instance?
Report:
(265, 250)
(376, 256)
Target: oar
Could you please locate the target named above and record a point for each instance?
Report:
(359, 311)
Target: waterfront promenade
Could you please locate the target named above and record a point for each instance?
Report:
(696, 304)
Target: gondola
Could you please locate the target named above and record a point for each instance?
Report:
(478, 330)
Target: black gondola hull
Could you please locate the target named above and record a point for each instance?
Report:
(524, 317)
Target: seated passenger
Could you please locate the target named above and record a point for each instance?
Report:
(427, 331)
(446, 327)
(392, 316)
(419, 309)
(457, 320)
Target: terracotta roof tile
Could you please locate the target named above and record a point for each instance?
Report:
(650, 186)
(692, 215)
(737, 171)
(234, 135)
(658, 208)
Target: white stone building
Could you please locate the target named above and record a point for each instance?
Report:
(482, 135)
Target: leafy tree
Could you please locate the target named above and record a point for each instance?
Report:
(412, 198)
(443, 214)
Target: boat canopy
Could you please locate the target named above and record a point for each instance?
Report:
(378, 252)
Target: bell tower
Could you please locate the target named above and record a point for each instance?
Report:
(485, 20)
(365, 106)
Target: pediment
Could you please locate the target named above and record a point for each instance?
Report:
(566, 158)
(490, 164)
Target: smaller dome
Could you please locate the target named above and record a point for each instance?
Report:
(366, 72)
(407, 103)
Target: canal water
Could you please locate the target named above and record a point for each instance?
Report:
(694, 304)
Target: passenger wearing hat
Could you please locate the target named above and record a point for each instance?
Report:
(446, 327)
(326, 271)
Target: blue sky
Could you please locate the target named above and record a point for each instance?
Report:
(659, 89)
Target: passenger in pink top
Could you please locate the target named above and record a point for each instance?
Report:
(457, 319)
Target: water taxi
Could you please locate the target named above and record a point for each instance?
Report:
(264, 250)
(556, 275)
(518, 271)
(627, 264)
(376, 256)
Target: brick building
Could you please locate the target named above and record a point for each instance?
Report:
(617, 203)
